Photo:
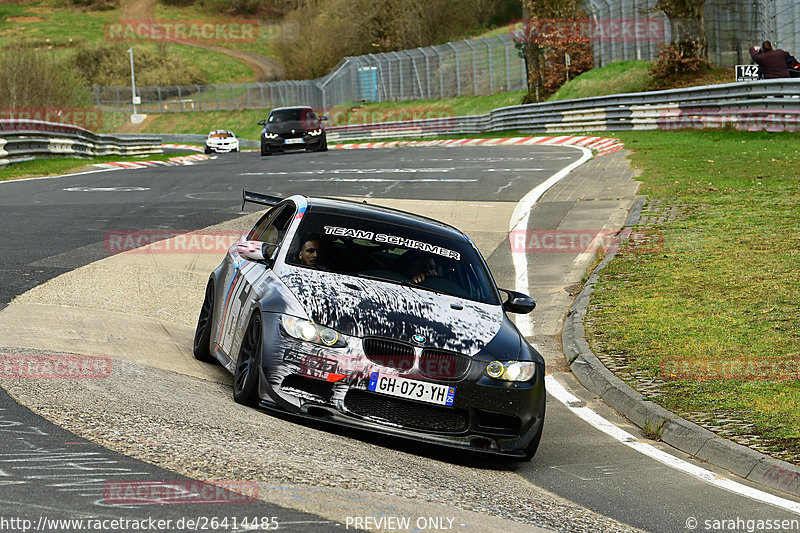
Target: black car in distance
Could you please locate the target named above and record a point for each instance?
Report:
(292, 128)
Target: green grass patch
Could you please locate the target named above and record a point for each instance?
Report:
(355, 113)
(65, 165)
(243, 123)
(265, 33)
(724, 283)
(615, 78)
(60, 30)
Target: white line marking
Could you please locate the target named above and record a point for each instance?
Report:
(519, 221)
(558, 391)
(380, 180)
(12, 180)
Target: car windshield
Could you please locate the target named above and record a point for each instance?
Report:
(221, 135)
(285, 115)
(393, 253)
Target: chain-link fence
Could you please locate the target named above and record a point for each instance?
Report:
(481, 66)
(732, 27)
(618, 30)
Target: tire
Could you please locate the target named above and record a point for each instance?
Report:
(202, 335)
(324, 144)
(530, 451)
(264, 151)
(245, 377)
(208, 150)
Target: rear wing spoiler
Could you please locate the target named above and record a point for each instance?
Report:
(258, 198)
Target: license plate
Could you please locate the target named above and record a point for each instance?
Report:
(297, 140)
(412, 389)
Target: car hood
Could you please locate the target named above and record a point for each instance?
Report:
(364, 307)
(218, 140)
(296, 125)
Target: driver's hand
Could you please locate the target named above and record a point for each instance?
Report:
(419, 278)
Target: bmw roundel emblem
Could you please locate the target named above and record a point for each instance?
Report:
(419, 339)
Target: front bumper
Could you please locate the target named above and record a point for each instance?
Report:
(306, 142)
(487, 415)
(222, 149)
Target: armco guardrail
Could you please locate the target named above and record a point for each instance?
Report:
(771, 105)
(23, 140)
(187, 138)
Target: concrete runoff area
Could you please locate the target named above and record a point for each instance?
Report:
(157, 385)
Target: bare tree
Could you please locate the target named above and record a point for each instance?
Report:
(687, 25)
(537, 16)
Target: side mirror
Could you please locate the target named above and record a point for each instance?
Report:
(258, 251)
(324, 118)
(262, 122)
(518, 302)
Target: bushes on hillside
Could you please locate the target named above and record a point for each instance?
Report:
(109, 64)
(32, 79)
(674, 67)
(95, 5)
(323, 32)
(264, 8)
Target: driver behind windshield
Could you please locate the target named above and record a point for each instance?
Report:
(313, 251)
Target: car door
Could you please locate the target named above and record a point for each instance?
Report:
(245, 274)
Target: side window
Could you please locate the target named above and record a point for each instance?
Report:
(272, 226)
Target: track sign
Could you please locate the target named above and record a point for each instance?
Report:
(747, 72)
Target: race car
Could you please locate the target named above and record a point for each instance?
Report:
(221, 141)
(292, 128)
(373, 318)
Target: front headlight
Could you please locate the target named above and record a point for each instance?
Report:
(271, 135)
(315, 132)
(511, 370)
(310, 332)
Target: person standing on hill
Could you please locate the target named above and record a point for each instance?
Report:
(771, 62)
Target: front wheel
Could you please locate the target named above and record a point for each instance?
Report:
(245, 377)
(530, 451)
(264, 151)
(202, 335)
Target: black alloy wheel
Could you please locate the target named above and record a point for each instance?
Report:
(202, 335)
(245, 377)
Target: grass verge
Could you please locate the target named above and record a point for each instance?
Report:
(56, 166)
(244, 123)
(60, 30)
(716, 299)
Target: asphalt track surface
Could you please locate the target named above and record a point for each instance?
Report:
(53, 226)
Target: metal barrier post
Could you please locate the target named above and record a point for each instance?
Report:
(458, 69)
(474, 67)
(491, 66)
(508, 63)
